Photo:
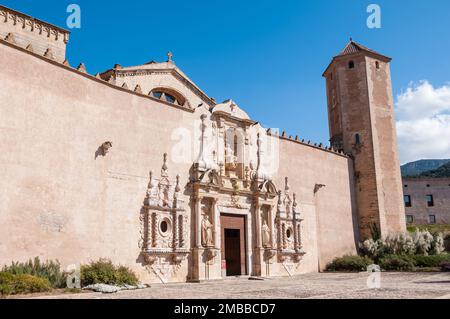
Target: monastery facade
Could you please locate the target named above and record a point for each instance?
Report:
(138, 165)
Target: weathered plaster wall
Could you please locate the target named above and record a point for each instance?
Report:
(385, 144)
(58, 201)
(330, 216)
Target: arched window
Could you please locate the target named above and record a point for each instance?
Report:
(169, 96)
(235, 146)
(351, 65)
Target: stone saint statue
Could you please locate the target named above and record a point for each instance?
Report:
(265, 234)
(207, 231)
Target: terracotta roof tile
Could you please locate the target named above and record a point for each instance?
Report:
(353, 47)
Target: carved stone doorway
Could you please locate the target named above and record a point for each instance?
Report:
(233, 246)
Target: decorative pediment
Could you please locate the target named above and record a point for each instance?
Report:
(229, 107)
(161, 194)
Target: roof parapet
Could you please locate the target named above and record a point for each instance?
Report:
(23, 30)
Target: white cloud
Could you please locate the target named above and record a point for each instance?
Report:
(423, 122)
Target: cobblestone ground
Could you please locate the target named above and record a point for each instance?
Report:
(325, 285)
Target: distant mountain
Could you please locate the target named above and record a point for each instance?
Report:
(418, 167)
(442, 171)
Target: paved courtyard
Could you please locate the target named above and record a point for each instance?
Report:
(325, 285)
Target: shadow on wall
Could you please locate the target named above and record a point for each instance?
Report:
(355, 219)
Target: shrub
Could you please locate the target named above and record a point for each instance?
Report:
(50, 270)
(423, 241)
(104, 272)
(437, 245)
(29, 284)
(445, 266)
(126, 276)
(430, 261)
(6, 283)
(419, 242)
(20, 284)
(397, 262)
(350, 263)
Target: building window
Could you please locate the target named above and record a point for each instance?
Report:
(357, 139)
(432, 219)
(157, 95)
(407, 200)
(165, 96)
(351, 65)
(168, 95)
(406, 186)
(409, 219)
(377, 64)
(430, 200)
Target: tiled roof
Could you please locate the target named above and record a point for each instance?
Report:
(353, 47)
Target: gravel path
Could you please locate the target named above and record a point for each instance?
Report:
(324, 285)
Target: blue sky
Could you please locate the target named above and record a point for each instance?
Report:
(268, 56)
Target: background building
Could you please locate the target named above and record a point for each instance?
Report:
(426, 190)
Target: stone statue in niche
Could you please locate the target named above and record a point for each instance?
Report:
(207, 232)
(265, 235)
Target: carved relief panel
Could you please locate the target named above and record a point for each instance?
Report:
(164, 224)
(288, 221)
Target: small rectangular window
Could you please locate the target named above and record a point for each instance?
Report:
(432, 219)
(430, 201)
(407, 199)
(409, 219)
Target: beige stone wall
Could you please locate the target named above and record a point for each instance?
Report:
(418, 189)
(58, 201)
(330, 216)
(29, 31)
(385, 144)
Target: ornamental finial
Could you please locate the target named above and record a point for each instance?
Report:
(169, 56)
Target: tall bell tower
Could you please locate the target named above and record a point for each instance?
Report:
(361, 123)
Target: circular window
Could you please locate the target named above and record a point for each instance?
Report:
(164, 226)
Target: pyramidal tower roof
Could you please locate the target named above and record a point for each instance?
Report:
(355, 48)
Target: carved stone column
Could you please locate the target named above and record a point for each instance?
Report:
(257, 251)
(271, 224)
(257, 224)
(198, 222)
(216, 222)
